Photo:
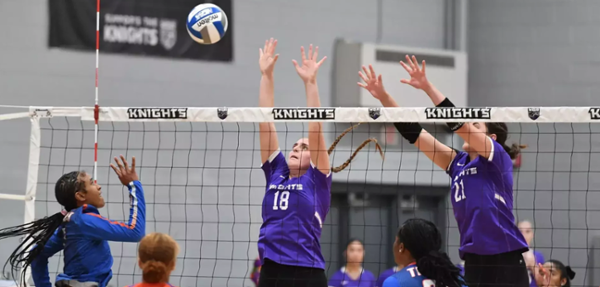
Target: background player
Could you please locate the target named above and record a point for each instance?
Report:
(491, 243)
(417, 246)
(297, 198)
(532, 257)
(157, 256)
(353, 274)
(387, 273)
(81, 231)
(554, 274)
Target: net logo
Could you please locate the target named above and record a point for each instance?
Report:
(594, 113)
(458, 113)
(304, 114)
(157, 113)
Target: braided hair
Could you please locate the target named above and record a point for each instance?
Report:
(38, 232)
(424, 241)
(361, 146)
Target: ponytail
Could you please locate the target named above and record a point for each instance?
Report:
(437, 266)
(154, 271)
(514, 150)
(36, 233)
(361, 146)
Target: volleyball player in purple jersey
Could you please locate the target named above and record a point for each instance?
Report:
(297, 196)
(482, 185)
(385, 274)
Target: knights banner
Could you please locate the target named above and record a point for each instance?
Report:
(138, 27)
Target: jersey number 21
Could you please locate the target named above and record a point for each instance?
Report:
(281, 202)
(459, 191)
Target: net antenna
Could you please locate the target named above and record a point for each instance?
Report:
(96, 107)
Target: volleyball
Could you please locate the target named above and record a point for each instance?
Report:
(207, 23)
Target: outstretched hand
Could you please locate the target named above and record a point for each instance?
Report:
(309, 68)
(418, 78)
(268, 58)
(372, 82)
(123, 171)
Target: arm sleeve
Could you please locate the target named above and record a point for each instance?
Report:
(391, 282)
(97, 227)
(39, 266)
(275, 165)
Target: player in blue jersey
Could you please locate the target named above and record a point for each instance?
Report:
(482, 185)
(387, 273)
(417, 247)
(80, 231)
(353, 274)
(297, 195)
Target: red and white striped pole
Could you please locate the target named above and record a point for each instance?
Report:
(96, 107)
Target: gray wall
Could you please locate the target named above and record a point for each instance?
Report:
(545, 53)
(31, 74)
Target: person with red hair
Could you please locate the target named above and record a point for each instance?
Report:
(157, 255)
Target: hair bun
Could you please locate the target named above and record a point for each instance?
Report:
(570, 272)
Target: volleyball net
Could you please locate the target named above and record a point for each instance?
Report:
(200, 168)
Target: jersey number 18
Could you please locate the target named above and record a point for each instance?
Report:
(283, 200)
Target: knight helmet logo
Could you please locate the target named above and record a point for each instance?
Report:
(374, 113)
(168, 33)
(534, 113)
(222, 113)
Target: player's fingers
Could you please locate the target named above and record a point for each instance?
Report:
(372, 71)
(260, 52)
(316, 53)
(361, 85)
(118, 163)
(266, 45)
(310, 52)
(414, 58)
(410, 63)
(133, 163)
(303, 55)
(115, 169)
(362, 76)
(275, 58)
(379, 78)
(423, 67)
(406, 67)
(321, 62)
(366, 72)
(405, 81)
(295, 64)
(273, 46)
(125, 164)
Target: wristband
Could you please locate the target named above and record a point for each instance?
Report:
(446, 103)
(410, 131)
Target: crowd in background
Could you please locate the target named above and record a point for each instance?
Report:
(352, 274)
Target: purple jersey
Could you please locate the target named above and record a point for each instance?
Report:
(385, 274)
(482, 199)
(539, 258)
(342, 279)
(293, 212)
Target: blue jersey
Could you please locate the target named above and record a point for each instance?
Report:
(84, 237)
(293, 212)
(342, 279)
(482, 199)
(409, 276)
(385, 274)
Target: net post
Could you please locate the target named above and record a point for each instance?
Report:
(32, 177)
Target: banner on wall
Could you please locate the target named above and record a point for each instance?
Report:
(139, 27)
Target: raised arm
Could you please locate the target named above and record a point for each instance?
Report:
(316, 141)
(478, 140)
(98, 227)
(268, 135)
(439, 153)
